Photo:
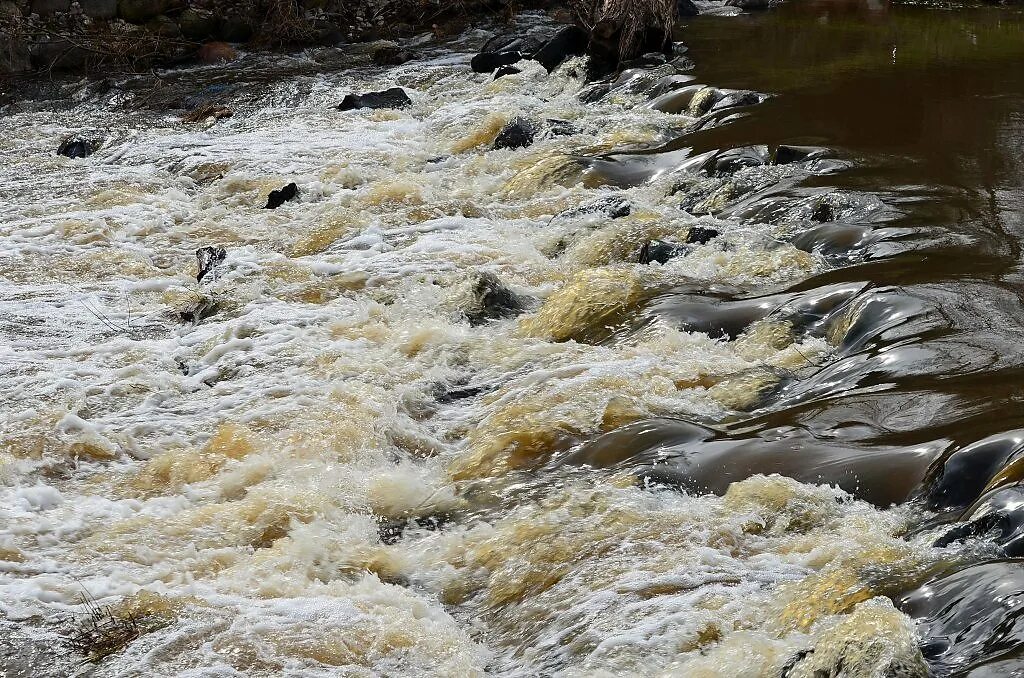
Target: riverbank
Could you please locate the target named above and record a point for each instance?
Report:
(132, 35)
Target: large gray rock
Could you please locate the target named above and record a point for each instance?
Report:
(197, 26)
(99, 9)
(58, 54)
(47, 7)
(140, 11)
(236, 29)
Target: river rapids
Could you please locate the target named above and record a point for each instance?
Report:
(332, 457)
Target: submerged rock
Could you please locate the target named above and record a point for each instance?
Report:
(612, 207)
(210, 110)
(394, 97)
(76, 147)
(390, 530)
(493, 301)
(199, 309)
(209, 258)
(281, 196)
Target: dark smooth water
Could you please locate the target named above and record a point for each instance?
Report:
(921, 110)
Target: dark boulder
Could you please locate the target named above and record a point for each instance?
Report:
(567, 42)
(661, 251)
(517, 133)
(701, 235)
(141, 11)
(506, 70)
(527, 44)
(391, 55)
(394, 97)
(76, 147)
(493, 301)
(488, 62)
(209, 258)
(686, 8)
(281, 196)
(196, 25)
(785, 154)
(521, 132)
(99, 9)
(236, 28)
(47, 7)
(58, 54)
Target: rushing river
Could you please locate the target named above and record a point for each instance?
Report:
(432, 417)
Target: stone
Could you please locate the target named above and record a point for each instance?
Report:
(389, 98)
(701, 235)
(199, 309)
(661, 251)
(525, 44)
(76, 147)
(196, 25)
(99, 9)
(391, 55)
(47, 7)
(517, 133)
(140, 11)
(164, 27)
(488, 62)
(216, 52)
(686, 8)
(205, 111)
(236, 29)
(567, 42)
(209, 259)
(281, 196)
(736, 99)
(493, 301)
(58, 54)
(506, 70)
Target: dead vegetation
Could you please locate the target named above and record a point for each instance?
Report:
(106, 629)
